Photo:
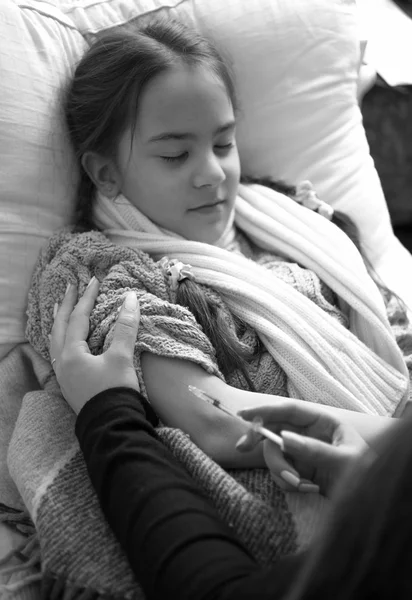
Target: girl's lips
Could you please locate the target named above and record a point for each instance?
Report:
(208, 207)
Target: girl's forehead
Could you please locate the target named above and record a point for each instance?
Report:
(181, 100)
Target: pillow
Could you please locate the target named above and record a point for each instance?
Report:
(296, 65)
(37, 50)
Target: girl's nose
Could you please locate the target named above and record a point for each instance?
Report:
(209, 173)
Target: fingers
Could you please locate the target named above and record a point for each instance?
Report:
(282, 472)
(78, 328)
(309, 451)
(126, 328)
(295, 415)
(249, 440)
(61, 321)
(294, 412)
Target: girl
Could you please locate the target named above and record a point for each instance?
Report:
(243, 291)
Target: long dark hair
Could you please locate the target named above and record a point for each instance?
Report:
(366, 549)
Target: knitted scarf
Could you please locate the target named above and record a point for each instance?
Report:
(360, 368)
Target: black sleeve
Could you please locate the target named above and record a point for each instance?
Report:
(174, 540)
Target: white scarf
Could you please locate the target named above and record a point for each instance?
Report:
(359, 369)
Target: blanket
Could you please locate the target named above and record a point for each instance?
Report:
(78, 554)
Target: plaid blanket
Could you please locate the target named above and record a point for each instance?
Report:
(78, 552)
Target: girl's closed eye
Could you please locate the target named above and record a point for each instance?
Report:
(181, 157)
(225, 147)
(178, 158)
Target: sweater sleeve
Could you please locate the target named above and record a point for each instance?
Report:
(174, 540)
(166, 328)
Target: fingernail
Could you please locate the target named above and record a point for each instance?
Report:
(309, 488)
(69, 285)
(131, 302)
(92, 280)
(290, 478)
(241, 441)
(55, 309)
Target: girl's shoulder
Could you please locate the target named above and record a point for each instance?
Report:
(71, 236)
(89, 247)
(79, 255)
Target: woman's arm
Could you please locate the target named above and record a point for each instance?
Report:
(174, 540)
(167, 382)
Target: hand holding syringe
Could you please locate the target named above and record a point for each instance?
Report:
(255, 424)
(319, 445)
(302, 485)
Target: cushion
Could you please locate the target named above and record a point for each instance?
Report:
(38, 46)
(296, 65)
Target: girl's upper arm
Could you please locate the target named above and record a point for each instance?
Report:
(216, 433)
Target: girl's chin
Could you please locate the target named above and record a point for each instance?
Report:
(214, 238)
(212, 228)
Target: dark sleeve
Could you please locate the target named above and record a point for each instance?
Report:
(174, 540)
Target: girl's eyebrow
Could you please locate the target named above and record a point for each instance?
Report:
(229, 126)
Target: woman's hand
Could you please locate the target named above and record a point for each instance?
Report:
(80, 374)
(318, 446)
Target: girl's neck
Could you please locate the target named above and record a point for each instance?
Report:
(229, 232)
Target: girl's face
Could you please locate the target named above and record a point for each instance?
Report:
(181, 168)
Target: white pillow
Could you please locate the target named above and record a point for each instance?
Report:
(38, 45)
(296, 67)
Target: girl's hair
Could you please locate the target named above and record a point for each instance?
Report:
(365, 551)
(222, 330)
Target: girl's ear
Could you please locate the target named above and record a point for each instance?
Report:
(103, 172)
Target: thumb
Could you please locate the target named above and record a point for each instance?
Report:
(127, 326)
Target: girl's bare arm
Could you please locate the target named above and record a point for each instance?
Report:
(216, 433)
